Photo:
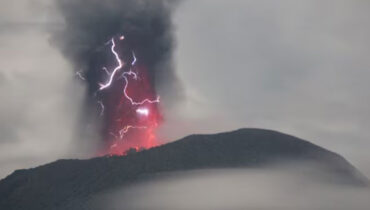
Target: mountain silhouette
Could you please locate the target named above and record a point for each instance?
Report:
(69, 184)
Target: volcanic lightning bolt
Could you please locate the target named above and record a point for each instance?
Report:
(117, 68)
(122, 55)
(143, 111)
(79, 74)
(157, 100)
(145, 119)
(102, 108)
(120, 65)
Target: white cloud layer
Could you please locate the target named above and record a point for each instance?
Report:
(236, 189)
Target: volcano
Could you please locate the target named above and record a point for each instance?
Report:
(72, 184)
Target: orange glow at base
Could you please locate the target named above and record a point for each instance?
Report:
(129, 124)
(135, 140)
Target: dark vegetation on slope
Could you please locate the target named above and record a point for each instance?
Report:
(67, 184)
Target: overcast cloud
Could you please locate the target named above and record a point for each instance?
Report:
(300, 67)
(40, 97)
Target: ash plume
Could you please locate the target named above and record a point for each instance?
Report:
(145, 23)
(146, 27)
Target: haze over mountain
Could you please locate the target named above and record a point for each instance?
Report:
(73, 184)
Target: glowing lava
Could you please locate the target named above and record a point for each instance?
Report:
(128, 102)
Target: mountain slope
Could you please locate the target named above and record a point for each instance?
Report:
(68, 184)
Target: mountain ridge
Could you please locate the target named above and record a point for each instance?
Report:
(71, 182)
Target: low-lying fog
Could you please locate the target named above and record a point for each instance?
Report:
(262, 189)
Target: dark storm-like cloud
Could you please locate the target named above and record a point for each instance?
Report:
(146, 25)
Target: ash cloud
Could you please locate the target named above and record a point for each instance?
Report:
(84, 40)
(40, 98)
(146, 25)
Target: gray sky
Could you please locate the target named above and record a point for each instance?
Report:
(41, 99)
(300, 67)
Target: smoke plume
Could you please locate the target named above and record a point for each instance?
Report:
(145, 29)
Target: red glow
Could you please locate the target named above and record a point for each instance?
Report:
(129, 125)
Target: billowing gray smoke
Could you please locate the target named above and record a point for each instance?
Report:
(146, 25)
(147, 29)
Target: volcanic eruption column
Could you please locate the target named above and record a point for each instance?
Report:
(122, 50)
(147, 113)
